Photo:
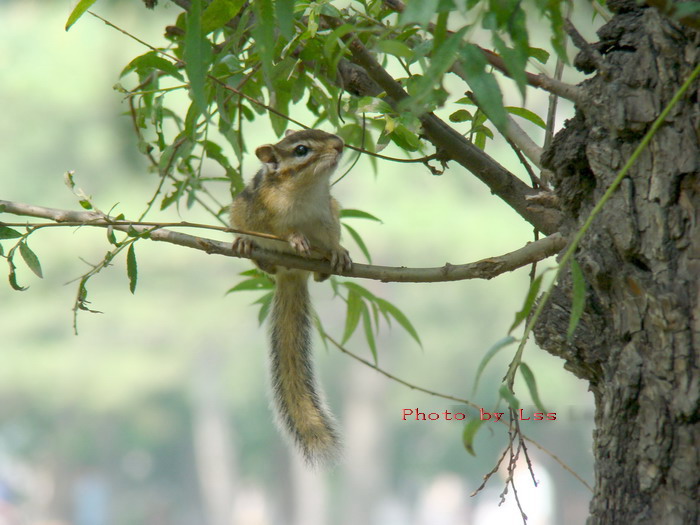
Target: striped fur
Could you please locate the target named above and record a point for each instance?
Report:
(299, 404)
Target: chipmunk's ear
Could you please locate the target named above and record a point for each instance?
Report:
(266, 154)
(289, 132)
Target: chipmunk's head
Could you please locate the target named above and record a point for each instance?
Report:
(307, 153)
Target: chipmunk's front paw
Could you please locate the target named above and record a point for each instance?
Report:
(300, 243)
(243, 246)
(340, 260)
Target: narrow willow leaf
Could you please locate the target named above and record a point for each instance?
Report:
(515, 60)
(509, 397)
(469, 433)
(349, 213)
(255, 284)
(539, 54)
(196, 54)
(578, 298)
(441, 61)
(31, 259)
(78, 11)
(531, 383)
(264, 34)
(500, 345)
(13, 280)
(131, 268)
(461, 115)
(8, 233)
(529, 302)
(330, 47)
(418, 12)
(361, 291)
(484, 84)
(360, 243)
(440, 31)
(218, 13)
(528, 115)
(369, 334)
(265, 303)
(149, 61)
(352, 317)
(400, 317)
(394, 47)
(285, 17)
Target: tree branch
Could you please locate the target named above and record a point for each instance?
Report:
(448, 141)
(554, 86)
(484, 269)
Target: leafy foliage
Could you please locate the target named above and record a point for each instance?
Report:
(240, 61)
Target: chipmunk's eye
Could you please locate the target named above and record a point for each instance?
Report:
(301, 150)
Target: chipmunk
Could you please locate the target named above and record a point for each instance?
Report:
(290, 198)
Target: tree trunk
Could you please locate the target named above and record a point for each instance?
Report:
(638, 343)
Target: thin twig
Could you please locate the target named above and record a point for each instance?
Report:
(459, 400)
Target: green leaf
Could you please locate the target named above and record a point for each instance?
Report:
(369, 334)
(484, 84)
(527, 114)
(350, 213)
(538, 54)
(358, 240)
(352, 317)
(509, 397)
(515, 60)
(373, 105)
(461, 115)
(285, 17)
(30, 258)
(441, 61)
(468, 434)
(685, 9)
(531, 385)
(388, 308)
(578, 298)
(197, 55)
(529, 302)
(264, 33)
(394, 47)
(131, 268)
(78, 11)
(265, 303)
(149, 61)
(440, 31)
(111, 238)
(254, 284)
(406, 139)
(8, 233)
(218, 13)
(332, 49)
(418, 12)
(360, 290)
(500, 345)
(13, 280)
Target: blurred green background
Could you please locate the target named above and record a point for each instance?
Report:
(157, 412)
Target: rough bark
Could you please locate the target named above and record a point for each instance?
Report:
(638, 344)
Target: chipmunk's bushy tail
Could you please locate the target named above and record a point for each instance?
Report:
(300, 407)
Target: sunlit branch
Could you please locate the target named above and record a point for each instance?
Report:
(483, 269)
